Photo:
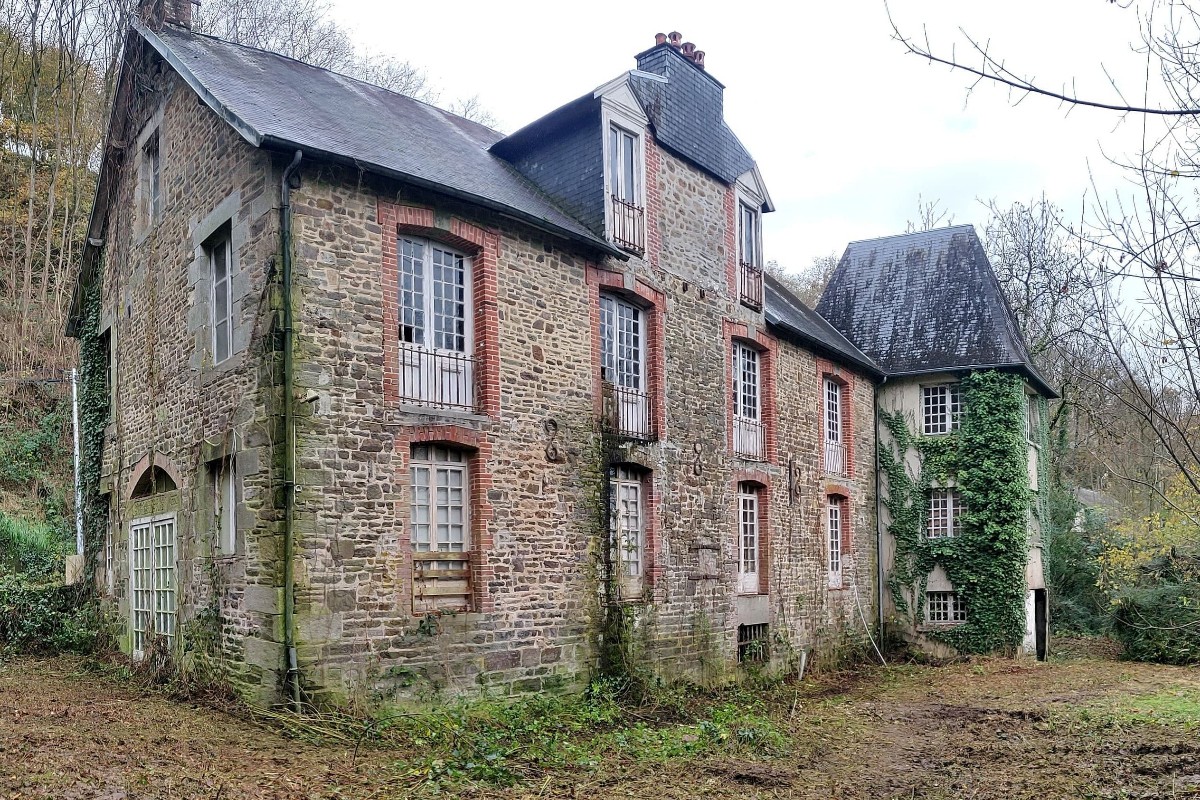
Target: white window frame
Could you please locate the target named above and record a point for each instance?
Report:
(153, 584)
(941, 408)
(944, 608)
(747, 208)
(625, 145)
(620, 109)
(432, 372)
(225, 495)
(835, 446)
(944, 520)
(627, 525)
(749, 541)
(432, 469)
(108, 558)
(623, 362)
(151, 177)
(221, 245)
(749, 430)
(834, 523)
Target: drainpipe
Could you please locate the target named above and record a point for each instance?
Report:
(292, 678)
(878, 516)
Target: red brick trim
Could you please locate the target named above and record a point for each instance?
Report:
(731, 255)
(653, 570)
(767, 346)
(483, 572)
(762, 482)
(654, 304)
(840, 495)
(829, 370)
(654, 201)
(483, 245)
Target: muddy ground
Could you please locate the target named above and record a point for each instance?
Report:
(990, 729)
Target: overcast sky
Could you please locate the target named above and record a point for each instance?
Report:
(847, 128)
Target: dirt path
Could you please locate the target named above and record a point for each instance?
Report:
(991, 730)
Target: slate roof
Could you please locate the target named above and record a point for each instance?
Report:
(688, 113)
(279, 102)
(926, 302)
(784, 311)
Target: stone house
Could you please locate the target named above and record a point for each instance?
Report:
(927, 308)
(399, 405)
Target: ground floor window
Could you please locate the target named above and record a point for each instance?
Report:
(439, 527)
(627, 520)
(152, 581)
(749, 538)
(944, 607)
(833, 529)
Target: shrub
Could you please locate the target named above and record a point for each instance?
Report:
(1159, 622)
(44, 619)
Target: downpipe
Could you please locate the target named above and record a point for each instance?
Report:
(292, 678)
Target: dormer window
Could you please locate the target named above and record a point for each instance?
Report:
(750, 281)
(624, 178)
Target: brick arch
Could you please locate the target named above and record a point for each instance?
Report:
(145, 468)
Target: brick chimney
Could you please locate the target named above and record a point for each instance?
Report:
(155, 12)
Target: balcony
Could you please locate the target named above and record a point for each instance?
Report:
(835, 458)
(750, 285)
(437, 379)
(749, 439)
(628, 226)
(626, 412)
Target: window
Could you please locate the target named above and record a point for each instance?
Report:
(624, 179)
(753, 643)
(628, 526)
(834, 537)
(835, 447)
(623, 366)
(439, 527)
(942, 407)
(1033, 418)
(749, 539)
(945, 514)
(944, 608)
(435, 331)
(749, 439)
(225, 506)
(151, 178)
(220, 273)
(152, 581)
(108, 558)
(750, 291)
(106, 349)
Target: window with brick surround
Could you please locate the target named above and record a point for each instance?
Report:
(944, 608)
(749, 433)
(624, 179)
(220, 275)
(439, 527)
(623, 362)
(151, 181)
(627, 522)
(835, 445)
(941, 408)
(750, 280)
(437, 365)
(749, 538)
(833, 538)
(945, 514)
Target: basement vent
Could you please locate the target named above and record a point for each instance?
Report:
(753, 643)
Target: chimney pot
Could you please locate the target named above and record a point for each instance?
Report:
(688, 48)
(675, 37)
(660, 38)
(698, 58)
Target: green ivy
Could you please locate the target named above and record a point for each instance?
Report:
(987, 459)
(93, 418)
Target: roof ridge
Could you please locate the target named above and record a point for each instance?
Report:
(911, 233)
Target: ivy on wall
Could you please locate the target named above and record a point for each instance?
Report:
(987, 460)
(93, 418)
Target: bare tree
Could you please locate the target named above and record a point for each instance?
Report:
(808, 283)
(929, 216)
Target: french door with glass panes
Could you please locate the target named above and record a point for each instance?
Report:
(152, 581)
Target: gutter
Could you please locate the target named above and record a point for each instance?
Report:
(292, 678)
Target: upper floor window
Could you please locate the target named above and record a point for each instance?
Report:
(941, 407)
(624, 186)
(220, 274)
(750, 281)
(749, 433)
(623, 366)
(1033, 418)
(833, 531)
(627, 521)
(151, 180)
(437, 367)
(944, 607)
(835, 446)
(749, 539)
(945, 514)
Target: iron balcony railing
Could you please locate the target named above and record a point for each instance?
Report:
(750, 285)
(835, 458)
(629, 225)
(627, 412)
(749, 438)
(438, 379)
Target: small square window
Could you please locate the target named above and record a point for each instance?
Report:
(943, 608)
(942, 408)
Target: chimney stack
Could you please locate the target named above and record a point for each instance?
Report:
(675, 38)
(156, 12)
(686, 49)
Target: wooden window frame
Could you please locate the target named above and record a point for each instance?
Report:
(220, 243)
(159, 595)
(941, 408)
